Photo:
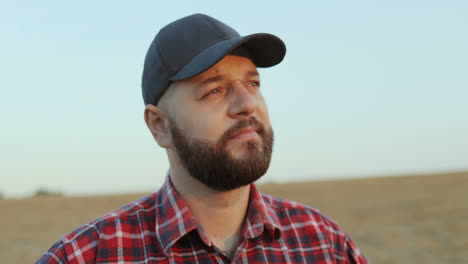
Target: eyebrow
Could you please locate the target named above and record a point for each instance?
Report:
(218, 78)
(252, 74)
(213, 79)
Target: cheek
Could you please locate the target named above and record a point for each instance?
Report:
(263, 113)
(202, 125)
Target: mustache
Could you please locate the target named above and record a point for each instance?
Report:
(240, 125)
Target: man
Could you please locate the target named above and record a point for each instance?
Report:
(203, 102)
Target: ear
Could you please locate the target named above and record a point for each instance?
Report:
(157, 122)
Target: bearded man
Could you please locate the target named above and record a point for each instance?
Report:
(204, 106)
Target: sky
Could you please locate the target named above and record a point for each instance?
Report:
(367, 88)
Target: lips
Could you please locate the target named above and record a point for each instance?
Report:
(245, 133)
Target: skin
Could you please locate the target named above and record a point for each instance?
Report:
(212, 101)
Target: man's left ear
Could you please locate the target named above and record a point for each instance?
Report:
(158, 124)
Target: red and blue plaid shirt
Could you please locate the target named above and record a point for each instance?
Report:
(160, 228)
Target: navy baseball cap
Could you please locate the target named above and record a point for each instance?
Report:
(193, 44)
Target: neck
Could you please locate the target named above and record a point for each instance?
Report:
(220, 214)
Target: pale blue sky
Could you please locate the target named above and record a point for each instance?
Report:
(366, 88)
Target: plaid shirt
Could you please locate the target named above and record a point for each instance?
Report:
(160, 228)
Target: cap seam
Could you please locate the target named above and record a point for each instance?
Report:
(213, 27)
(220, 34)
(196, 54)
(163, 59)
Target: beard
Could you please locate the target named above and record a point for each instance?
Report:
(214, 166)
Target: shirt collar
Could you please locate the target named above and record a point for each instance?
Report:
(173, 217)
(175, 220)
(262, 216)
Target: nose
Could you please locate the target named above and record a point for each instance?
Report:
(244, 102)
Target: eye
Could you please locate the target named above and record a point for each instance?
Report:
(254, 84)
(211, 92)
(214, 91)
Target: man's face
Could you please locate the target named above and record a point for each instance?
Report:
(220, 126)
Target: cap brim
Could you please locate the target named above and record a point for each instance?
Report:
(265, 50)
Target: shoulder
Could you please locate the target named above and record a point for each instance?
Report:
(305, 226)
(128, 216)
(290, 212)
(100, 237)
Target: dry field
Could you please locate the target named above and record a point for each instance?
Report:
(417, 219)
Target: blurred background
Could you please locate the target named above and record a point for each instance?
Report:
(367, 89)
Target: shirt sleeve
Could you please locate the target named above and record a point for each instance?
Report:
(355, 256)
(55, 255)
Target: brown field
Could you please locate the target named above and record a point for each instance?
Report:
(417, 219)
